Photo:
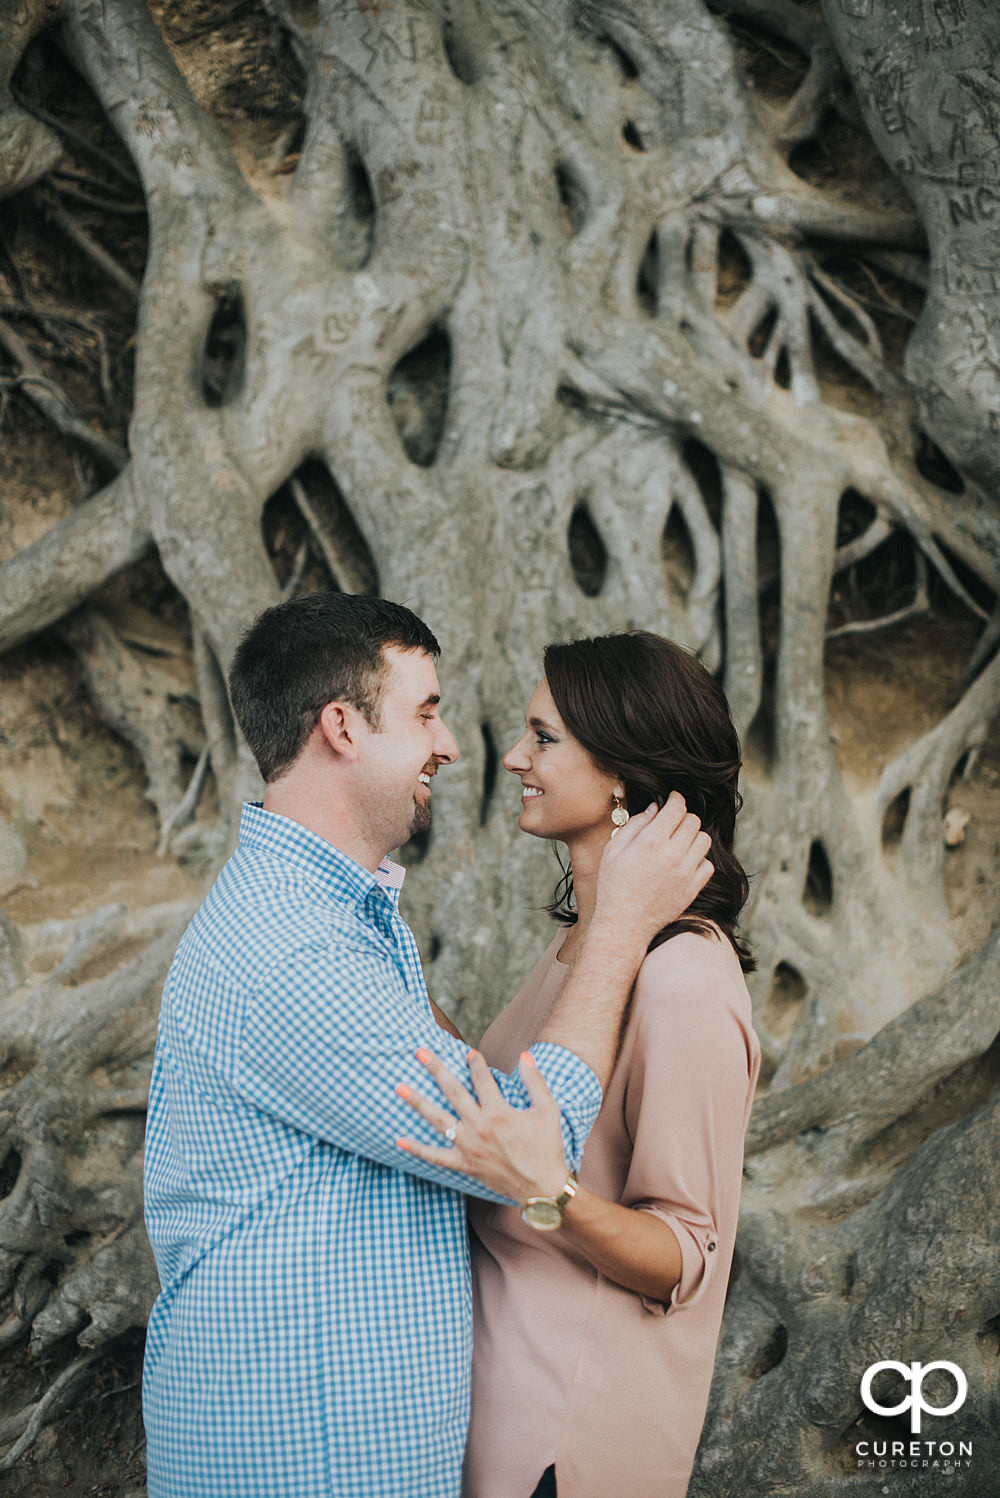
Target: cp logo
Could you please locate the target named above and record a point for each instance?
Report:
(914, 1374)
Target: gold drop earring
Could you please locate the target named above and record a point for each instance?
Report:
(619, 814)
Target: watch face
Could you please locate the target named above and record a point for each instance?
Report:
(542, 1213)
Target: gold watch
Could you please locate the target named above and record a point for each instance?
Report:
(546, 1212)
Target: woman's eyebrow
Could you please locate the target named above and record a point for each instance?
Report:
(541, 723)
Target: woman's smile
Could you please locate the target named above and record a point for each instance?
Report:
(579, 793)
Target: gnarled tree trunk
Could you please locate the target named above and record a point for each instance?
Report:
(549, 320)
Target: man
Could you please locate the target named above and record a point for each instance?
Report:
(312, 1334)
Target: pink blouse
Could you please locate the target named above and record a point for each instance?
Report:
(568, 1367)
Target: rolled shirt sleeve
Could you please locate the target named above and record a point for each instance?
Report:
(686, 1108)
(330, 1032)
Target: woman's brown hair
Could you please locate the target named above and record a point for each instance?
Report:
(647, 711)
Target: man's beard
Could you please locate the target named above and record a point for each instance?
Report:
(421, 820)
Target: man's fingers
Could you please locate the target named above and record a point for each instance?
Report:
(458, 1096)
(635, 825)
(702, 845)
(697, 863)
(663, 820)
(670, 816)
(684, 828)
(673, 810)
(688, 829)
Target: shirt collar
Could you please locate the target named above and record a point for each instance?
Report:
(390, 875)
(341, 875)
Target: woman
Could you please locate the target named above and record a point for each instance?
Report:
(594, 1344)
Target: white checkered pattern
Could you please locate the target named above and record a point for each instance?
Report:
(312, 1336)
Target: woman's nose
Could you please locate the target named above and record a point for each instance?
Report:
(516, 759)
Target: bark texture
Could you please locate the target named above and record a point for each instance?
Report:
(549, 320)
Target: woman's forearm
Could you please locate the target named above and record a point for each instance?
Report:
(629, 1246)
(444, 1023)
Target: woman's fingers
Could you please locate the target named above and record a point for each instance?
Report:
(467, 1106)
(457, 1095)
(483, 1081)
(515, 1152)
(434, 1155)
(535, 1084)
(438, 1118)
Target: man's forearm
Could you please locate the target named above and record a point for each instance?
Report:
(647, 881)
(587, 1014)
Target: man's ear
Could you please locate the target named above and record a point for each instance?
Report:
(340, 725)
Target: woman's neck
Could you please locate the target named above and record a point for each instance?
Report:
(585, 858)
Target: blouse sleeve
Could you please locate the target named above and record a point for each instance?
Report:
(688, 1089)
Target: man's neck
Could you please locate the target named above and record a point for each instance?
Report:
(325, 818)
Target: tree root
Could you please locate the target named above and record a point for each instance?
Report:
(920, 604)
(85, 143)
(46, 1409)
(28, 149)
(926, 768)
(851, 1285)
(86, 242)
(60, 571)
(140, 699)
(73, 1076)
(876, 1085)
(56, 406)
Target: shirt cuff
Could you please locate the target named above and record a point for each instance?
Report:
(577, 1092)
(699, 1246)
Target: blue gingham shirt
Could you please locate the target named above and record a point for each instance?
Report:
(312, 1336)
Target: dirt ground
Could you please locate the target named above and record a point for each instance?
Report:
(99, 1450)
(885, 690)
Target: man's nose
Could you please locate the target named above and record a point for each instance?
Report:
(445, 745)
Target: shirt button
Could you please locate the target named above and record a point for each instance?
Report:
(712, 1246)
